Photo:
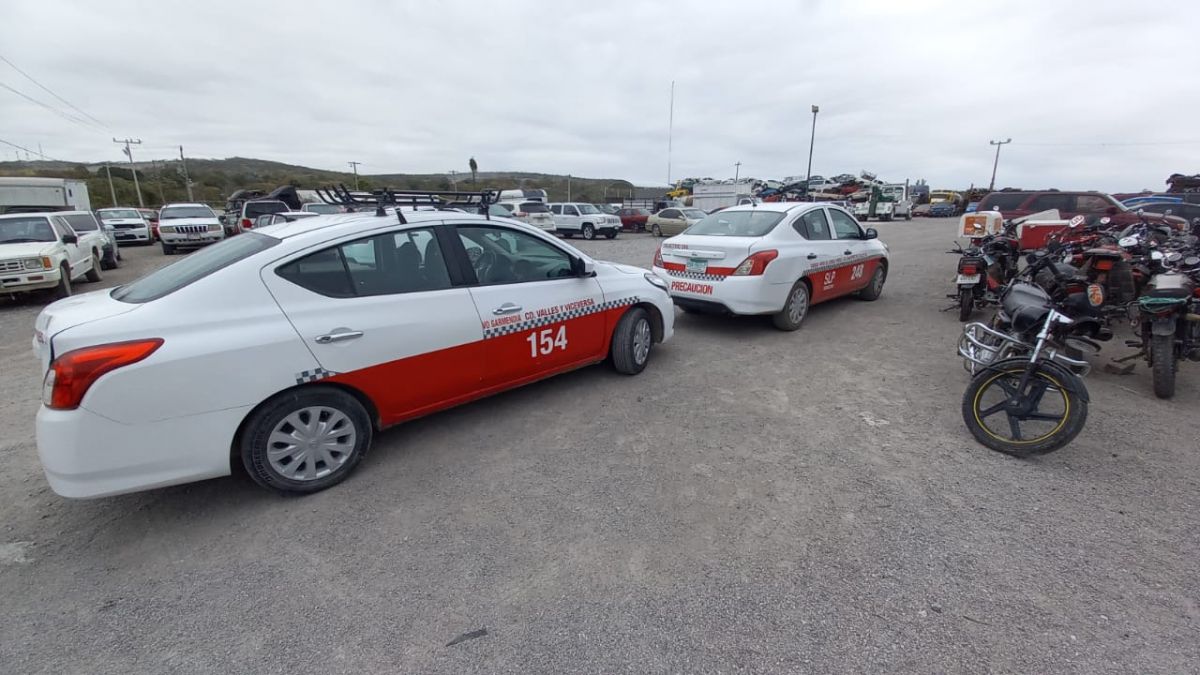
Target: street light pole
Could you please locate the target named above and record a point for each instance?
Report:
(354, 165)
(811, 140)
(996, 163)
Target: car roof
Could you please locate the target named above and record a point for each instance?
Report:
(782, 207)
(167, 206)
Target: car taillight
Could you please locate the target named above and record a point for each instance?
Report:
(755, 264)
(658, 261)
(1102, 264)
(73, 373)
(246, 224)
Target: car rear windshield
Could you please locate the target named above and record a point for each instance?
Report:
(21, 230)
(754, 223)
(113, 214)
(1002, 202)
(196, 266)
(172, 212)
(255, 209)
(534, 207)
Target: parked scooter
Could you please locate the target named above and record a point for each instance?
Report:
(1166, 318)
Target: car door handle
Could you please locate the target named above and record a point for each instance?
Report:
(338, 336)
(506, 308)
(812, 256)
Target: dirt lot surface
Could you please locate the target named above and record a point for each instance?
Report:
(756, 501)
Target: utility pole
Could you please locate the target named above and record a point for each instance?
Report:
(129, 153)
(812, 139)
(737, 171)
(111, 190)
(186, 180)
(670, 131)
(354, 165)
(992, 185)
(568, 187)
(162, 199)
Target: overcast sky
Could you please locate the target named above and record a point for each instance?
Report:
(1098, 94)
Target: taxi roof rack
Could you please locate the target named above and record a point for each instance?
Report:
(382, 198)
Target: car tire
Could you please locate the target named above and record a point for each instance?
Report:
(589, 232)
(611, 235)
(268, 462)
(632, 342)
(168, 249)
(93, 275)
(795, 308)
(874, 288)
(656, 230)
(63, 289)
(908, 216)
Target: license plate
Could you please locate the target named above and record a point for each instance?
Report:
(697, 265)
(194, 236)
(967, 279)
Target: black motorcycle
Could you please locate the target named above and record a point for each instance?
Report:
(1166, 319)
(986, 265)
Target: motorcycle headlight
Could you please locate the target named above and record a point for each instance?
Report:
(654, 280)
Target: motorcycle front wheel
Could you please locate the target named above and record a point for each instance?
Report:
(1049, 413)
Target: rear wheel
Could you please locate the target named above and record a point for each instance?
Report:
(63, 289)
(632, 341)
(1162, 360)
(794, 309)
(589, 232)
(305, 440)
(1041, 419)
(966, 303)
(93, 274)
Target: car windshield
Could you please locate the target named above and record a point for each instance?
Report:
(196, 266)
(113, 214)
(587, 209)
(753, 223)
(692, 214)
(20, 230)
(322, 208)
(172, 212)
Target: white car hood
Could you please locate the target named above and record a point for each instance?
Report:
(29, 249)
(620, 267)
(188, 221)
(70, 312)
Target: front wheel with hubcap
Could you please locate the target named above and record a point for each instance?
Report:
(632, 341)
(794, 309)
(93, 274)
(305, 440)
(63, 289)
(589, 232)
(874, 289)
(1042, 417)
(1162, 360)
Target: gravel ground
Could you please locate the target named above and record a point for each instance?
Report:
(756, 501)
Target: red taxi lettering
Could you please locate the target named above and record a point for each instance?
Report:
(688, 287)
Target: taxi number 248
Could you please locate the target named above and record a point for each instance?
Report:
(546, 341)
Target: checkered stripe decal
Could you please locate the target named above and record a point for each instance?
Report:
(696, 275)
(530, 324)
(313, 375)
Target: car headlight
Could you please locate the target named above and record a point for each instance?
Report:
(32, 263)
(169, 229)
(214, 228)
(654, 280)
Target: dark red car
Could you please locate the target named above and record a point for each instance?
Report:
(1019, 203)
(633, 220)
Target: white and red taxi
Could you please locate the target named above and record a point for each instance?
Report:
(286, 349)
(772, 258)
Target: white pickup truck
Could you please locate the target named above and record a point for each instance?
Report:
(571, 218)
(895, 203)
(40, 251)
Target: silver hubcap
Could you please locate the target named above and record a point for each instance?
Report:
(641, 341)
(311, 443)
(799, 306)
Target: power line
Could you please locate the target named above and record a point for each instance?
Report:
(31, 152)
(1099, 144)
(47, 90)
(70, 118)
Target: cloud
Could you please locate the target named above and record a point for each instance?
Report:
(1093, 94)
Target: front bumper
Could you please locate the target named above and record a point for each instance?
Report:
(181, 240)
(86, 455)
(736, 295)
(29, 280)
(133, 235)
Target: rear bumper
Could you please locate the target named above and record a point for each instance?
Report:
(86, 455)
(733, 295)
(33, 280)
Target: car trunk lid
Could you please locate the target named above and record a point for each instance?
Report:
(69, 313)
(706, 254)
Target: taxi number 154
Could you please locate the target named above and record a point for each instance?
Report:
(546, 341)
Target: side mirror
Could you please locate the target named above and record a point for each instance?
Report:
(70, 239)
(223, 219)
(582, 268)
(871, 234)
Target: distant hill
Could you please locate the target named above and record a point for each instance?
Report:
(214, 179)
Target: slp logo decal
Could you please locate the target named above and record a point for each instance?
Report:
(688, 287)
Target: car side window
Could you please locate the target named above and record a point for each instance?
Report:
(669, 214)
(570, 211)
(385, 264)
(1094, 204)
(556, 208)
(813, 225)
(60, 227)
(844, 226)
(1051, 201)
(504, 256)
